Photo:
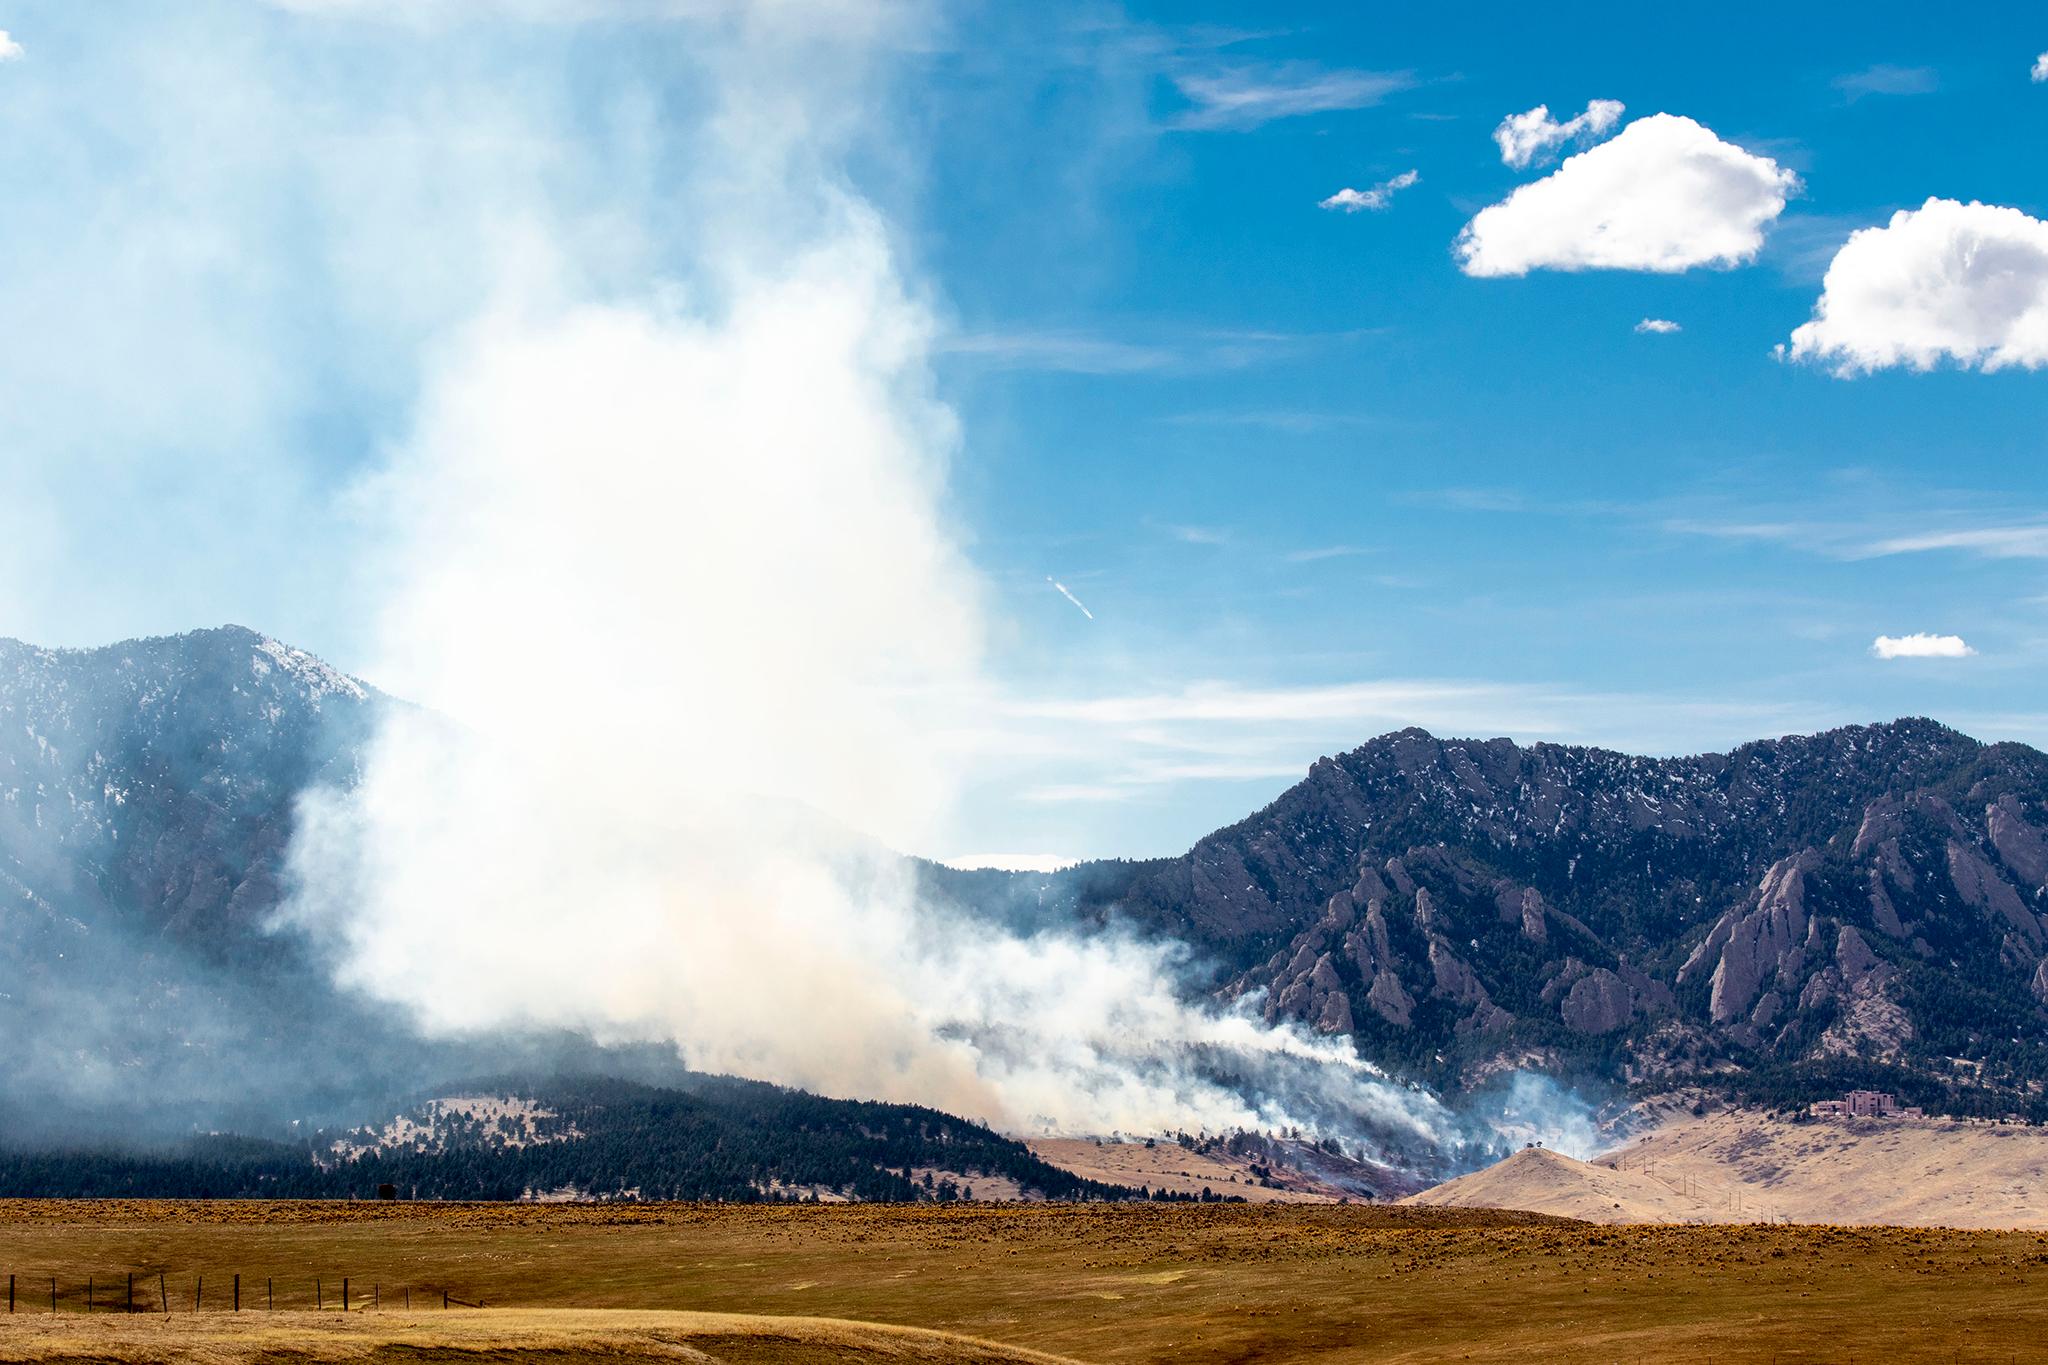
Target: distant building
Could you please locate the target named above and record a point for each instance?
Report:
(1866, 1104)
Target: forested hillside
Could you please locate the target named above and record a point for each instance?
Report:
(713, 1138)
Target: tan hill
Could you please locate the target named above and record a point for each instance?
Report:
(1172, 1167)
(1743, 1166)
(1747, 1166)
(1539, 1180)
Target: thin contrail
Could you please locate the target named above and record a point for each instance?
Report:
(1069, 596)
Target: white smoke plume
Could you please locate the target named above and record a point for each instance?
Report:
(672, 577)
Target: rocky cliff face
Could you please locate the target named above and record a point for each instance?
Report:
(1876, 893)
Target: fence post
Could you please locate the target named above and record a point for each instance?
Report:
(53, 1298)
(198, 1284)
(269, 1300)
(344, 1293)
(10, 1293)
(376, 1295)
(128, 1305)
(408, 1296)
(88, 1293)
(163, 1293)
(238, 1293)
(53, 1293)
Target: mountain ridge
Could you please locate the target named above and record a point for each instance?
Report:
(1461, 907)
(1864, 905)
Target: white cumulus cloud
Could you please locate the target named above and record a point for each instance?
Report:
(1920, 646)
(1659, 326)
(1348, 200)
(2041, 68)
(10, 50)
(1665, 195)
(1965, 282)
(1523, 138)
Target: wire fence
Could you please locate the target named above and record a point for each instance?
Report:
(151, 1292)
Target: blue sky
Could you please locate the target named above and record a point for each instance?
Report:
(1311, 478)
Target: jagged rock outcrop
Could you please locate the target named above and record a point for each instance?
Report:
(2020, 846)
(1762, 942)
(1857, 987)
(1599, 1002)
(1522, 906)
(1883, 913)
(1372, 948)
(1979, 884)
(1308, 981)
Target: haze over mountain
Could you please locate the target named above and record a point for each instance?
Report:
(1867, 902)
(1769, 917)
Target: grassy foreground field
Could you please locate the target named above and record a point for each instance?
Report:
(1091, 1282)
(532, 1336)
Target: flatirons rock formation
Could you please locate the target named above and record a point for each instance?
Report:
(1875, 894)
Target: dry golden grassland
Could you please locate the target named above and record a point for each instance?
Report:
(1092, 1283)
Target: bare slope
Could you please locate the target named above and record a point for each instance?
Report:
(1915, 1173)
(1539, 1180)
(1743, 1166)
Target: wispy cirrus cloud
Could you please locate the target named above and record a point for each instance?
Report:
(1195, 535)
(1877, 537)
(1066, 352)
(1470, 499)
(1886, 79)
(1193, 351)
(2024, 540)
(1892, 523)
(1235, 96)
(1461, 706)
(1133, 746)
(1295, 421)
